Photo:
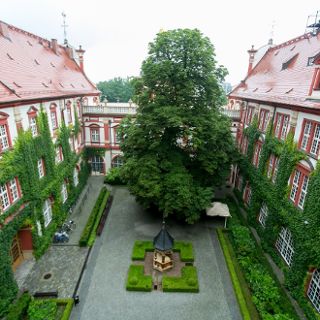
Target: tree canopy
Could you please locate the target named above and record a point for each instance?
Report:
(116, 89)
(179, 146)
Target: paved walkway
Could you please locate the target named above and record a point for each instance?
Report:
(60, 267)
(102, 291)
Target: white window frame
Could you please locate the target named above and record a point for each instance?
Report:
(116, 163)
(58, 155)
(95, 134)
(33, 126)
(276, 168)
(313, 292)
(295, 185)
(4, 197)
(4, 138)
(306, 135)
(284, 245)
(13, 188)
(75, 177)
(40, 168)
(315, 143)
(64, 192)
(263, 214)
(285, 125)
(47, 212)
(303, 191)
(54, 120)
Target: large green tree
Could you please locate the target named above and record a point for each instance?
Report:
(116, 89)
(179, 146)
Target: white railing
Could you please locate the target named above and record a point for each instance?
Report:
(111, 108)
(234, 114)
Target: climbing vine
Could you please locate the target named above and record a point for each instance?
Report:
(281, 212)
(21, 162)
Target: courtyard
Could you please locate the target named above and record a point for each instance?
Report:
(102, 291)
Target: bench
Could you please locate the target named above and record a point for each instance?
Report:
(42, 294)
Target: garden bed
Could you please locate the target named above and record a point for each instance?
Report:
(188, 282)
(267, 294)
(89, 232)
(28, 308)
(137, 281)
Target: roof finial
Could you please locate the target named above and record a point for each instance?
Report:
(270, 41)
(64, 26)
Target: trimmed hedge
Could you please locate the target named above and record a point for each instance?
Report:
(41, 309)
(93, 234)
(267, 294)
(93, 218)
(185, 249)
(137, 281)
(140, 248)
(188, 282)
(247, 308)
(68, 302)
(19, 309)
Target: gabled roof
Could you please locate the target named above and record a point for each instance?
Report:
(31, 69)
(284, 75)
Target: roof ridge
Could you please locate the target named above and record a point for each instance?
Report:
(30, 34)
(292, 41)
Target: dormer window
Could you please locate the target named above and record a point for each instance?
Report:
(289, 63)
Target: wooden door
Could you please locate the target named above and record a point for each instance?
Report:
(16, 253)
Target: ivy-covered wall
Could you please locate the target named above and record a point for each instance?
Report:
(304, 225)
(21, 162)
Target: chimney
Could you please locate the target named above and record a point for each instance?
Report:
(69, 52)
(252, 53)
(80, 53)
(54, 45)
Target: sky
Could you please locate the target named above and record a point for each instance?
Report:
(115, 34)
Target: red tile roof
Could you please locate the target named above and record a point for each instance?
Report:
(30, 69)
(271, 81)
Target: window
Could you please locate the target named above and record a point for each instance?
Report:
(33, 126)
(281, 125)
(263, 214)
(4, 138)
(40, 168)
(263, 119)
(310, 137)
(299, 187)
(13, 188)
(69, 112)
(257, 155)
(244, 145)
(75, 177)
(95, 135)
(117, 136)
(64, 192)
(58, 155)
(284, 244)
(47, 212)
(249, 115)
(314, 290)
(247, 195)
(273, 167)
(54, 121)
(117, 162)
(4, 197)
(9, 193)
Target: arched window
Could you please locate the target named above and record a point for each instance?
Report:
(117, 162)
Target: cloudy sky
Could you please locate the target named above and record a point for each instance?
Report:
(115, 34)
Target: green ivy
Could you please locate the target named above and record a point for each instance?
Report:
(21, 162)
(281, 212)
